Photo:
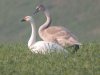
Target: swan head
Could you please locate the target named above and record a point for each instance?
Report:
(39, 8)
(27, 19)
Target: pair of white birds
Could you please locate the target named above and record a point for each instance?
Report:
(55, 38)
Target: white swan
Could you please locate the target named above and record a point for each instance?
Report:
(40, 46)
(56, 34)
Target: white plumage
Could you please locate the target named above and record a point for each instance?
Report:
(41, 46)
(46, 47)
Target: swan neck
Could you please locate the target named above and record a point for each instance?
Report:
(32, 39)
(48, 21)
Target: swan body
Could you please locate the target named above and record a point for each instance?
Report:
(40, 46)
(56, 34)
(46, 47)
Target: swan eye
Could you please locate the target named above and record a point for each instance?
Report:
(38, 9)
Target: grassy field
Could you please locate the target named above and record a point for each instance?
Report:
(16, 59)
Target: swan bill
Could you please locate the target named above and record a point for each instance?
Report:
(23, 20)
(36, 11)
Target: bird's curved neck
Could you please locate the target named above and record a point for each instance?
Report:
(32, 39)
(48, 21)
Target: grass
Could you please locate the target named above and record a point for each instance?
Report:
(16, 59)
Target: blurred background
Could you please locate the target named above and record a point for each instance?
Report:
(81, 17)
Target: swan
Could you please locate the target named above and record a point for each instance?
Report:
(42, 47)
(56, 34)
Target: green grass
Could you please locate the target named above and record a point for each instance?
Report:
(16, 59)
